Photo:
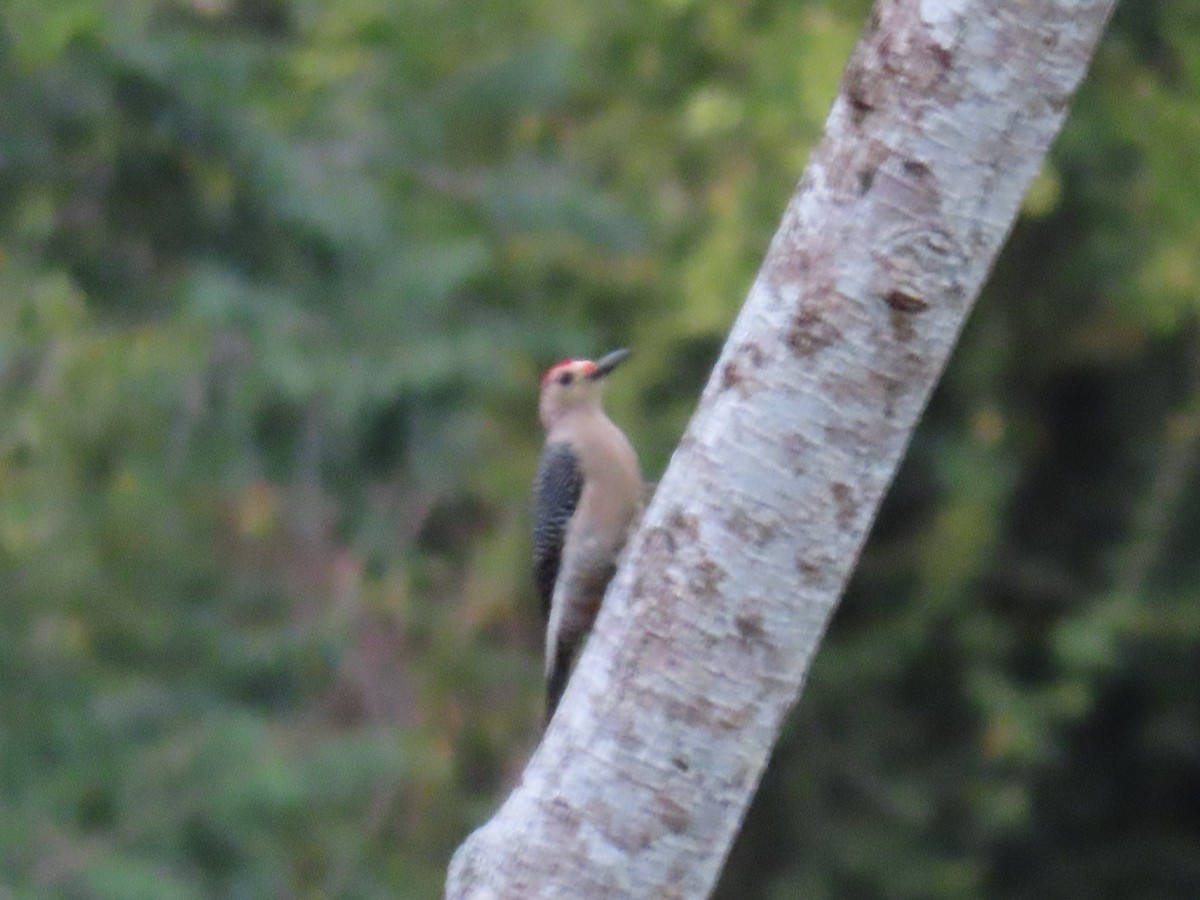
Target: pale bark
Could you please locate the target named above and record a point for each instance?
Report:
(945, 112)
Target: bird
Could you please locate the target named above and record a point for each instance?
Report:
(587, 494)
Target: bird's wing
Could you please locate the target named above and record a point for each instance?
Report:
(556, 490)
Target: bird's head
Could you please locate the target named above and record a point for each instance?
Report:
(575, 384)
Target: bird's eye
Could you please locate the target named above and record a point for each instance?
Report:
(566, 378)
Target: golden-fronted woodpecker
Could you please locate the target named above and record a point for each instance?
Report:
(586, 496)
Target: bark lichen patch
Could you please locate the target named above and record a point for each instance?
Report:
(567, 817)
(731, 376)
(941, 55)
(706, 582)
(702, 713)
(902, 326)
(787, 265)
(628, 738)
(684, 524)
(855, 87)
(809, 333)
(890, 389)
(736, 372)
(620, 830)
(847, 506)
(798, 447)
(750, 627)
(749, 529)
(753, 354)
(808, 569)
(659, 542)
(675, 817)
(866, 178)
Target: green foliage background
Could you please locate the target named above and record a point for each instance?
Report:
(277, 278)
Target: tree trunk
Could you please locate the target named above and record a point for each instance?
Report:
(945, 112)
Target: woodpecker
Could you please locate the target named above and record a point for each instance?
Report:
(586, 496)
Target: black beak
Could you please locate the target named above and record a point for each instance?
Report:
(608, 362)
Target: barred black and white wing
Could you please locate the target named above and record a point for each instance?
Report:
(556, 490)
